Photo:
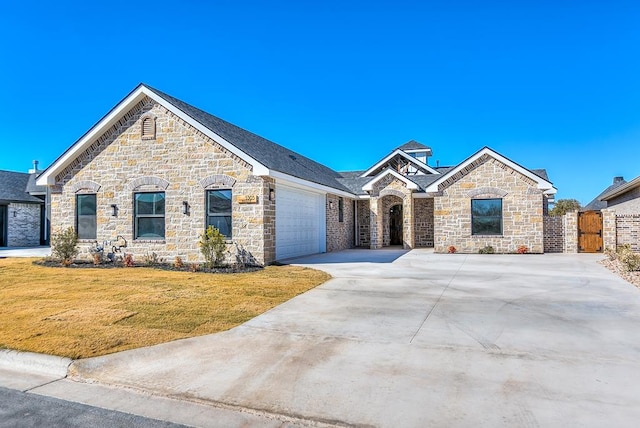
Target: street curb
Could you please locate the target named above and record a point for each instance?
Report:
(30, 362)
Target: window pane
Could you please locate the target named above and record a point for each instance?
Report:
(87, 227)
(222, 223)
(150, 203)
(219, 201)
(86, 204)
(486, 216)
(150, 227)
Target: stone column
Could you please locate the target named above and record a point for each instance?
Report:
(570, 224)
(407, 220)
(375, 222)
(609, 238)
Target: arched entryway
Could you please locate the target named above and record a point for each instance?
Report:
(395, 225)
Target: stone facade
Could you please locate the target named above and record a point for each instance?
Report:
(23, 225)
(364, 224)
(570, 227)
(553, 234)
(386, 193)
(522, 209)
(628, 231)
(608, 229)
(339, 232)
(423, 220)
(182, 162)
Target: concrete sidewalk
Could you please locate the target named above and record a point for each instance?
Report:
(43, 251)
(410, 339)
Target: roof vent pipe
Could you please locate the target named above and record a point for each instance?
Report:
(35, 167)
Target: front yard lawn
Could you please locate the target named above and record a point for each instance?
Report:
(81, 313)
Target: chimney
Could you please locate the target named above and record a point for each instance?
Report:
(35, 167)
(617, 180)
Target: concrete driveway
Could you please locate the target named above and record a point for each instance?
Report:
(416, 340)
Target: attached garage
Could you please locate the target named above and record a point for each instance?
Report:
(300, 222)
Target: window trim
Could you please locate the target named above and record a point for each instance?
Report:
(136, 217)
(230, 213)
(340, 210)
(501, 233)
(95, 216)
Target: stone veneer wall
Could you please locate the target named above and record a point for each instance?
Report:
(182, 162)
(423, 218)
(522, 209)
(23, 230)
(553, 234)
(628, 231)
(570, 226)
(387, 203)
(387, 192)
(364, 226)
(339, 234)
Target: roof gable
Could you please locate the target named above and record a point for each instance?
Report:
(410, 184)
(391, 161)
(13, 187)
(620, 189)
(263, 155)
(541, 183)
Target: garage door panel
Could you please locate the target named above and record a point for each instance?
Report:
(300, 222)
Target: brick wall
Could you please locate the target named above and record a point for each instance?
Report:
(553, 234)
(23, 230)
(628, 230)
(522, 209)
(182, 162)
(362, 210)
(423, 217)
(339, 234)
(627, 203)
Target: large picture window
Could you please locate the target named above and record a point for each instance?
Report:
(86, 216)
(219, 211)
(149, 215)
(486, 216)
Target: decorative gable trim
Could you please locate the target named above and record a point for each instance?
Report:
(136, 183)
(420, 165)
(89, 185)
(481, 156)
(369, 185)
(217, 180)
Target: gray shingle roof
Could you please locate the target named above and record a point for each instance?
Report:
(13, 187)
(413, 145)
(596, 204)
(270, 154)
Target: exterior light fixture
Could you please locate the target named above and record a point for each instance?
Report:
(185, 207)
(331, 204)
(114, 210)
(272, 194)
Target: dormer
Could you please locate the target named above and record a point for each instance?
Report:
(417, 151)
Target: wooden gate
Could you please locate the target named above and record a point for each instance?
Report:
(590, 232)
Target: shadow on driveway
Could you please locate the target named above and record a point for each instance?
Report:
(357, 255)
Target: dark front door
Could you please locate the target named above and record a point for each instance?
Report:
(3, 225)
(395, 225)
(590, 232)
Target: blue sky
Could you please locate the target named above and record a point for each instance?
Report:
(549, 84)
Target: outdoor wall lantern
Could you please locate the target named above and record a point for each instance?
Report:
(331, 204)
(114, 210)
(272, 194)
(185, 207)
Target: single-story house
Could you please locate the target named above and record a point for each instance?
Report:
(623, 198)
(154, 172)
(22, 210)
(597, 203)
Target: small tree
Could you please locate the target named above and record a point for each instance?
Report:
(64, 246)
(212, 246)
(564, 206)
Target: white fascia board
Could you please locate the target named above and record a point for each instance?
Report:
(542, 184)
(47, 178)
(369, 184)
(621, 189)
(404, 155)
(309, 186)
(428, 151)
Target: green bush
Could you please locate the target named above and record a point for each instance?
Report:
(213, 246)
(487, 250)
(64, 246)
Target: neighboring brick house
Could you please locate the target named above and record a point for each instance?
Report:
(155, 171)
(22, 210)
(623, 198)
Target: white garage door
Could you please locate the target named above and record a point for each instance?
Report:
(300, 222)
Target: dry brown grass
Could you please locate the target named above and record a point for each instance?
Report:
(81, 313)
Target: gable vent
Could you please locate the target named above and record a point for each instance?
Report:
(148, 127)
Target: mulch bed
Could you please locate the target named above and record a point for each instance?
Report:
(164, 266)
(616, 267)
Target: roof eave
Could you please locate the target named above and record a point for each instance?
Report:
(621, 189)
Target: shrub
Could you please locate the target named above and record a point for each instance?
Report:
(452, 249)
(629, 259)
(98, 257)
(212, 246)
(64, 246)
(611, 253)
(178, 263)
(522, 249)
(152, 259)
(194, 267)
(487, 250)
(127, 260)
